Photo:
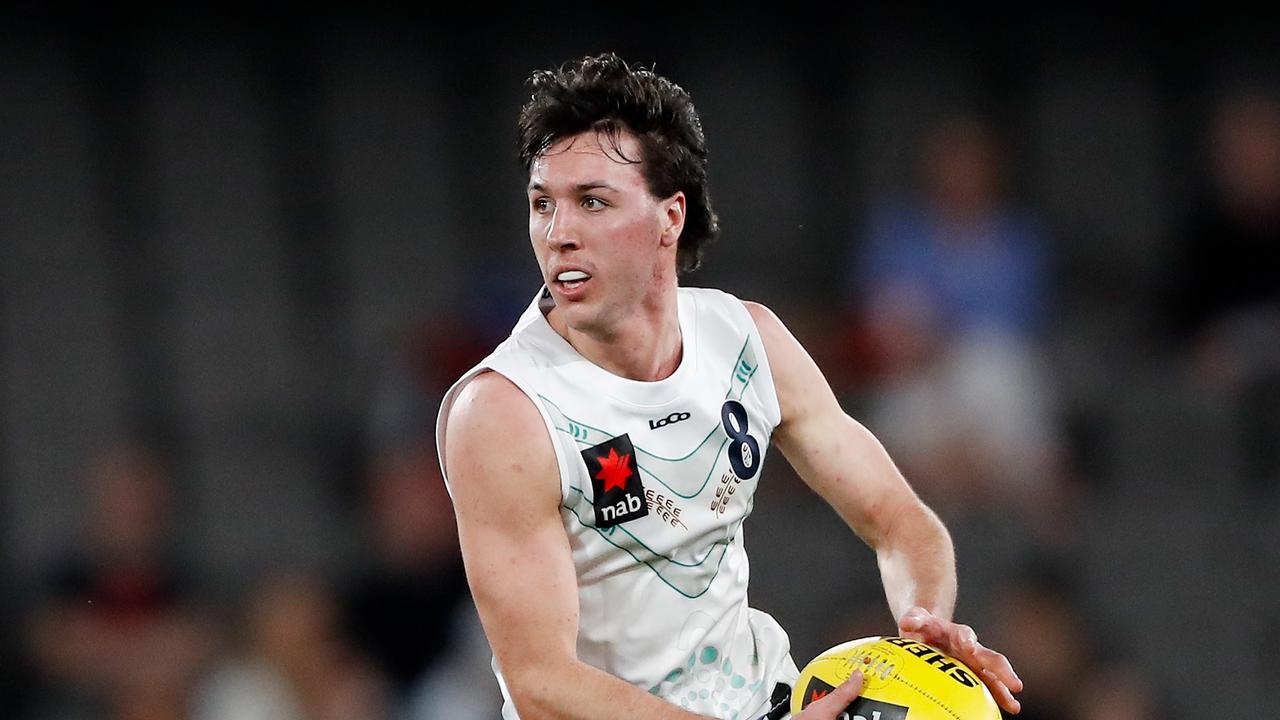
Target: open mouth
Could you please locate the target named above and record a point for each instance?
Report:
(572, 279)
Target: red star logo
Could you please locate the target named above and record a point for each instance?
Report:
(614, 470)
(818, 695)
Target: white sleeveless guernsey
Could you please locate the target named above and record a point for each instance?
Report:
(656, 479)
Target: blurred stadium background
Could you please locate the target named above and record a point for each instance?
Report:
(1038, 255)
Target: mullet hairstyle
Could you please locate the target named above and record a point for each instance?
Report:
(602, 93)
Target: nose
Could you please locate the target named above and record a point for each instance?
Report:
(562, 233)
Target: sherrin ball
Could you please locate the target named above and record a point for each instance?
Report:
(904, 680)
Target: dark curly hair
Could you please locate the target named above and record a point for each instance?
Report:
(604, 94)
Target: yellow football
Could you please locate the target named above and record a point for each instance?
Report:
(905, 680)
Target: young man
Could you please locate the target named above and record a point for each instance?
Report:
(603, 458)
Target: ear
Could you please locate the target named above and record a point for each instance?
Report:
(673, 218)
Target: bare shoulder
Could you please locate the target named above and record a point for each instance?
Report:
(786, 355)
(489, 397)
(801, 387)
(777, 338)
(493, 433)
(766, 319)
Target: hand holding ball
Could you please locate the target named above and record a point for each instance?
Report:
(904, 680)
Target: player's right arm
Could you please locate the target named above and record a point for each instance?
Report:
(506, 494)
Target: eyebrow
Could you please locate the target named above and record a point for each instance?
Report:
(580, 187)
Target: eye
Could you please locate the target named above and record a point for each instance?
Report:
(540, 205)
(592, 202)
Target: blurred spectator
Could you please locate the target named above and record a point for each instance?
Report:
(293, 663)
(951, 294)
(1229, 262)
(118, 635)
(1225, 292)
(408, 606)
(1117, 690)
(1068, 670)
(431, 355)
(402, 606)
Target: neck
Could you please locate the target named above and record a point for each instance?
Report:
(646, 347)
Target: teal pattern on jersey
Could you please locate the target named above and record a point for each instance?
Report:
(693, 576)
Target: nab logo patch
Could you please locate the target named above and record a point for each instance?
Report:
(619, 494)
(861, 709)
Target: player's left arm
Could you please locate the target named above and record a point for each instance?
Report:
(848, 467)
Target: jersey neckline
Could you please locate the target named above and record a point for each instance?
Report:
(640, 393)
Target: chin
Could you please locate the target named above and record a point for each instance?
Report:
(583, 318)
(577, 317)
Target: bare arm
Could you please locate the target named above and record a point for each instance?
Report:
(506, 494)
(845, 464)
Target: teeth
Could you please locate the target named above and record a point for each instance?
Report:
(572, 275)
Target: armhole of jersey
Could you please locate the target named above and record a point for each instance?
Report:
(442, 420)
(758, 338)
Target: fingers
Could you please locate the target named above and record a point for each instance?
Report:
(1000, 691)
(961, 642)
(964, 639)
(998, 666)
(848, 691)
(833, 705)
(998, 675)
(993, 667)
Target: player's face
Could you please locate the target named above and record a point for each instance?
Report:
(604, 244)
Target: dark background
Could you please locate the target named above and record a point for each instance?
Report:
(260, 248)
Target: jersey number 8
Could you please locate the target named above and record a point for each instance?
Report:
(744, 450)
